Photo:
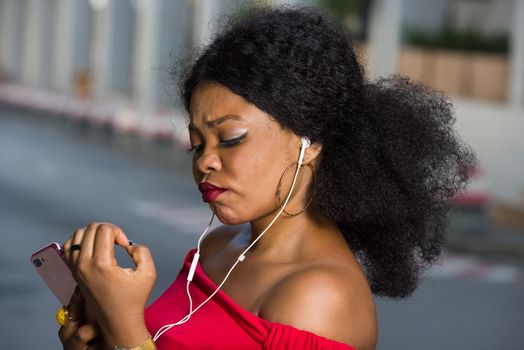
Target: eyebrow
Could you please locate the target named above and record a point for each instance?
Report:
(215, 122)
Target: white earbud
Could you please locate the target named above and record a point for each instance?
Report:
(305, 142)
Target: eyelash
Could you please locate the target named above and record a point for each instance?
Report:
(227, 143)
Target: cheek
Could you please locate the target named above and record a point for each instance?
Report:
(254, 171)
(254, 177)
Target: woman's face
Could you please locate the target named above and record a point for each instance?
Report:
(239, 148)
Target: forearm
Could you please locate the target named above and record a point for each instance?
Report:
(127, 334)
(148, 344)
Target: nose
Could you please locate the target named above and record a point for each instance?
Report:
(208, 162)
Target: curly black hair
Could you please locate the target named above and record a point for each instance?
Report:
(390, 162)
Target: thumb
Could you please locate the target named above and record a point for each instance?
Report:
(76, 305)
(143, 259)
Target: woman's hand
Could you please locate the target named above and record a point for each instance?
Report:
(76, 334)
(117, 296)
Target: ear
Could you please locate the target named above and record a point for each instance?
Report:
(312, 153)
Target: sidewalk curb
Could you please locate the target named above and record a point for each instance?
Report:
(116, 117)
(485, 247)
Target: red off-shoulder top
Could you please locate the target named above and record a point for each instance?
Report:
(221, 323)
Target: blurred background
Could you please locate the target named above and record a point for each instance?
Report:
(90, 130)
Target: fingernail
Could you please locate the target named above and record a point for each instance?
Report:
(131, 242)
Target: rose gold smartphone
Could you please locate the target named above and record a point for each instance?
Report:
(49, 262)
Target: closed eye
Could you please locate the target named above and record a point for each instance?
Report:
(226, 143)
(233, 142)
(193, 148)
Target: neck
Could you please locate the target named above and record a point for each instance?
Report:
(287, 234)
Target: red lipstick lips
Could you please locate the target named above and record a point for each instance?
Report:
(210, 192)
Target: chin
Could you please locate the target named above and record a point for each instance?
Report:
(227, 217)
(231, 222)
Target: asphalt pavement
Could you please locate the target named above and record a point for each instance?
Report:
(56, 176)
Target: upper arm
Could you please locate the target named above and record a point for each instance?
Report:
(326, 302)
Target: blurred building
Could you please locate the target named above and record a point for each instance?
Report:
(114, 63)
(470, 48)
(127, 47)
(489, 16)
(116, 47)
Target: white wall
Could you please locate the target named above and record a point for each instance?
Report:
(488, 16)
(496, 133)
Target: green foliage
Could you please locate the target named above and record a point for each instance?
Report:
(248, 8)
(456, 39)
(342, 9)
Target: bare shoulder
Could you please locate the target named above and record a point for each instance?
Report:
(220, 237)
(329, 299)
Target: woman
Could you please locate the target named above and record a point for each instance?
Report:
(330, 187)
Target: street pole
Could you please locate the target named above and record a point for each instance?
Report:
(31, 62)
(203, 12)
(7, 37)
(516, 73)
(63, 46)
(100, 50)
(384, 37)
(144, 56)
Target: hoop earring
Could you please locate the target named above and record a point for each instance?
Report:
(279, 189)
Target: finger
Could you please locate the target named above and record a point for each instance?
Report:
(66, 246)
(121, 238)
(142, 258)
(72, 311)
(91, 347)
(74, 337)
(107, 236)
(77, 239)
(88, 241)
(66, 332)
(86, 333)
(76, 305)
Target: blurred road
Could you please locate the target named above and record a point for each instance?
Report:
(53, 180)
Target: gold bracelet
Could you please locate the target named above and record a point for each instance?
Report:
(149, 344)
